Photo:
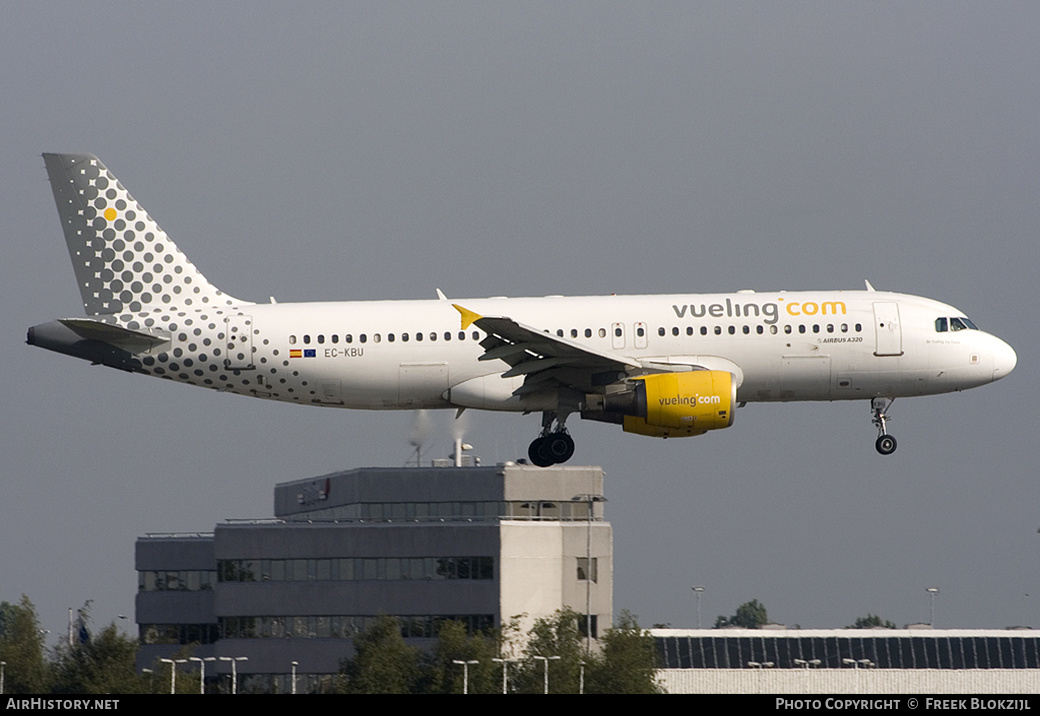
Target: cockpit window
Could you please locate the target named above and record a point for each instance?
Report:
(956, 323)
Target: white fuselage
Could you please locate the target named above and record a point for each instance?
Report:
(663, 366)
(782, 346)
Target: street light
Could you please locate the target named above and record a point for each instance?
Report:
(505, 666)
(465, 672)
(932, 591)
(546, 660)
(2, 665)
(698, 591)
(234, 670)
(202, 670)
(591, 500)
(173, 671)
(294, 665)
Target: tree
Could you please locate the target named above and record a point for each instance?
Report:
(382, 662)
(750, 615)
(103, 663)
(554, 636)
(628, 661)
(454, 644)
(22, 647)
(872, 621)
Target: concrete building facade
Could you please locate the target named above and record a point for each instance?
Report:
(480, 545)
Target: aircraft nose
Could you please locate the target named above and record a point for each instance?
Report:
(1004, 360)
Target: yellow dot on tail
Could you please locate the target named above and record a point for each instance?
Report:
(110, 214)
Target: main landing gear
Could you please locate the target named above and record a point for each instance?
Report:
(552, 447)
(885, 443)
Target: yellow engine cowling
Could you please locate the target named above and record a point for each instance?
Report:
(684, 404)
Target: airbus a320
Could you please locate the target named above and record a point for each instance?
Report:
(658, 365)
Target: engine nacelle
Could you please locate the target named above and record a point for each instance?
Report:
(667, 405)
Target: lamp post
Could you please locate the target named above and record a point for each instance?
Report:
(2, 665)
(173, 671)
(932, 591)
(591, 500)
(505, 666)
(546, 660)
(465, 672)
(294, 665)
(698, 591)
(234, 670)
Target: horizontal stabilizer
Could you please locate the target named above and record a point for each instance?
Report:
(133, 341)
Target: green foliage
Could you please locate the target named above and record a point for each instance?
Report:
(453, 644)
(22, 647)
(750, 615)
(627, 663)
(555, 636)
(104, 664)
(382, 662)
(871, 621)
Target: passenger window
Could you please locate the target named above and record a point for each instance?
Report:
(675, 330)
(462, 335)
(859, 327)
(476, 335)
(292, 340)
(830, 328)
(718, 330)
(574, 333)
(732, 330)
(660, 331)
(816, 328)
(617, 332)
(603, 333)
(376, 338)
(704, 330)
(588, 333)
(362, 338)
(447, 335)
(747, 329)
(306, 338)
(390, 337)
(404, 337)
(418, 336)
(761, 329)
(772, 329)
(801, 328)
(433, 335)
(321, 338)
(348, 338)
(787, 329)
(559, 332)
(689, 330)
(844, 327)
(335, 337)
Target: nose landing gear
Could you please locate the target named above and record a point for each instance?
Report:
(885, 443)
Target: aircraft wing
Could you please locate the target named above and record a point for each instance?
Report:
(545, 359)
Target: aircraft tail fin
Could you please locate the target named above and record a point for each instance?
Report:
(123, 260)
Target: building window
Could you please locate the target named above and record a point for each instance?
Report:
(588, 569)
(587, 623)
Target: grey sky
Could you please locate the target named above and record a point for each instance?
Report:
(383, 150)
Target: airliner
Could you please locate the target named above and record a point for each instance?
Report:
(658, 365)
